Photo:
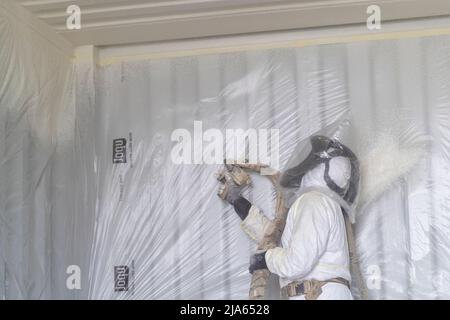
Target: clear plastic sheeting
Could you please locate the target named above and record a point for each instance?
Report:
(43, 229)
(165, 221)
(89, 176)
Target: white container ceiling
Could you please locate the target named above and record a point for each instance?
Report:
(112, 22)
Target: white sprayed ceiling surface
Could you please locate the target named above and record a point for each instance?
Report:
(108, 22)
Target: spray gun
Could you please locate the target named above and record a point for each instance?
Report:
(232, 173)
(236, 174)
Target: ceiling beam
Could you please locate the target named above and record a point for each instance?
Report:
(258, 19)
(113, 22)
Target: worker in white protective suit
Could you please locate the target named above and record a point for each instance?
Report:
(313, 260)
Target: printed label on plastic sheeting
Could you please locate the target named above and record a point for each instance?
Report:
(124, 278)
(123, 150)
(121, 278)
(120, 150)
(122, 154)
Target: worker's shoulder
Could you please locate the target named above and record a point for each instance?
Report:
(317, 198)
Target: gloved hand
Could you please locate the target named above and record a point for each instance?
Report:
(232, 191)
(258, 262)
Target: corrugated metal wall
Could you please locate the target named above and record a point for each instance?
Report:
(183, 242)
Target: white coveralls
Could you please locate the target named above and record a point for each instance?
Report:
(314, 241)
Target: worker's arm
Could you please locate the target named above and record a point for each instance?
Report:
(254, 222)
